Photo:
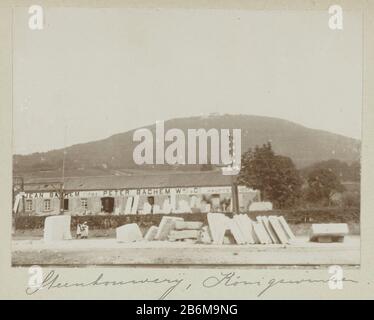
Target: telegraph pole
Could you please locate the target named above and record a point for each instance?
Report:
(228, 169)
(235, 196)
(18, 190)
(62, 196)
(23, 196)
(62, 185)
(234, 186)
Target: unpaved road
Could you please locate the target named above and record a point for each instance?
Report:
(109, 252)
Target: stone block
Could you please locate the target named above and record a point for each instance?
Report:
(218, 226)
(328, 232)
(205, 236)
(261, 233)
(268, 228)
(166, 225)
(235, 230)
(261, 206)
(151, 233)
(188, 225)
(286, 228)
(184, 234)
(278, 229)
(57, 228)
(128, 233)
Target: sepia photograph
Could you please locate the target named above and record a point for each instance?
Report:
(186, 137)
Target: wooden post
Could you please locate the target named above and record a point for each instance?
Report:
(17, 189)
(23, 196)
(234, 186)
(61, 198)
(234, 196)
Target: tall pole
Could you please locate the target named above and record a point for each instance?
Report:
(61, 198)
(62, 185)
(235, 196)
(23, 196)
(17, 190)
(234, 186)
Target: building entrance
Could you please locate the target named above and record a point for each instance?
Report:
(107, 204)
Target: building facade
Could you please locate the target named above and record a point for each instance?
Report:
(135, 194)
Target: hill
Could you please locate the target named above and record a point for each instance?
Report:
(113, 155)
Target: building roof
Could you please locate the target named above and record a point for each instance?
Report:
(164, 180)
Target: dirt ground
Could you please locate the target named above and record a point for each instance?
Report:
(101, 248)
(80, 252)
(37, 234)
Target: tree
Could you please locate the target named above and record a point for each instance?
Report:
(343, 170)
(322, 185)
(351, 199)
(274, 175)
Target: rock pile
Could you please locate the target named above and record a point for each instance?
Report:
(220, 230)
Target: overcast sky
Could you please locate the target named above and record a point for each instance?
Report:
(104, 71)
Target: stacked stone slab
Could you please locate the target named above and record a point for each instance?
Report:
(176, 229)
(245, 226)
(166, 225)
(205, 235)
(265, 230)
(268, 228)
(188, 231)
(239, 229)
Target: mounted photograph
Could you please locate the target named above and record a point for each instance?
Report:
(186, 137)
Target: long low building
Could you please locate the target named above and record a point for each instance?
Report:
(133, 194)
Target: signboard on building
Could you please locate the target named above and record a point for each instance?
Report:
(140, 192)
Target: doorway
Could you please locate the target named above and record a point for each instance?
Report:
(66, 204)
(107, 204)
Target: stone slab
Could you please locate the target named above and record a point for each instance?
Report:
(218, 226)
(269, 229)
(328, 232)
(261, 233)
(128, 233)
(189, 225)
(286, 228)
(151, 233)
(278, 229)
(235, 230)
(166, 225)
(184, 234)
(57, 228)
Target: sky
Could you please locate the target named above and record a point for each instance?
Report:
(92, 73)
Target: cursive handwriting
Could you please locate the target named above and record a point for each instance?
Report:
(231, 279)
(52, 281)
(225, 279)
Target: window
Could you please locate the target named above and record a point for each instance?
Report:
(66, 204)
(84, 204)
(29, 205)
(47, 205)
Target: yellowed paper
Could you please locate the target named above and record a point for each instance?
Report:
(103, 193)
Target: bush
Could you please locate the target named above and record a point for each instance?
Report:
(351, 199)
